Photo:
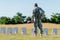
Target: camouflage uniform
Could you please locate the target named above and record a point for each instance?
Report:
(37, 14)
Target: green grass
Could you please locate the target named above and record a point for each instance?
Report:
(29, 36)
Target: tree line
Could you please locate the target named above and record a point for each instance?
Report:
(20, 19)
(55, 18)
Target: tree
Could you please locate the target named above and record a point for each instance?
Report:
(19, 18)
(28, 19)
(8, 21)
(3, 20)
(55, 18)
(19, 14)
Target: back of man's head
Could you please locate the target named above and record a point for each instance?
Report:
(36, 5)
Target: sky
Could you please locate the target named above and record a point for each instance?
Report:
(9, 8)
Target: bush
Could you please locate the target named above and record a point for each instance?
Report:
(55, 18)
(18, 19)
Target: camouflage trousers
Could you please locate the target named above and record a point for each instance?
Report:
(38, 24)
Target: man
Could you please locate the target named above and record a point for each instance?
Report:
(37, 15)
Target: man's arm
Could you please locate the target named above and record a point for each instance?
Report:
(42, 13)
(33, 16)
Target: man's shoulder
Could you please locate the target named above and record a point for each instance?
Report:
(39, 8)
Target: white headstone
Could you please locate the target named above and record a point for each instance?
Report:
(45, 31)
(23, 30)
(3, 30)
(10, 30)
(33, 33)
(54, 31)
(15, 30)
(33, 30)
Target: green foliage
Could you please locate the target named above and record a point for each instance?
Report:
(44, 19)
(28, 19)
(19, 19)
(8, 21)
(55, 18)
(3, 20)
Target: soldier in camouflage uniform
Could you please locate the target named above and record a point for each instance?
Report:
(37, 15)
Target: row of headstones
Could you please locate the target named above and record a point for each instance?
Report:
(54, 31)
(24, 30)
(10, 30)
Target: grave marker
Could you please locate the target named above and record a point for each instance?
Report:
(10, 30)
(45, 31)
(54, 31)
(15, 30)
(23, 30)
(3, 30)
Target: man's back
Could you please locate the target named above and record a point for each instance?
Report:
(37, 12)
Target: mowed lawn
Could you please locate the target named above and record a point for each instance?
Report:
(29, 35)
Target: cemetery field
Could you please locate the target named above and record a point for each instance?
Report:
(29, 35)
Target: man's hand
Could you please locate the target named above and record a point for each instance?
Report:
(42, 17)
(34, 18)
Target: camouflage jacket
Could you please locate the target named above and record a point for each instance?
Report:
(38, 12)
